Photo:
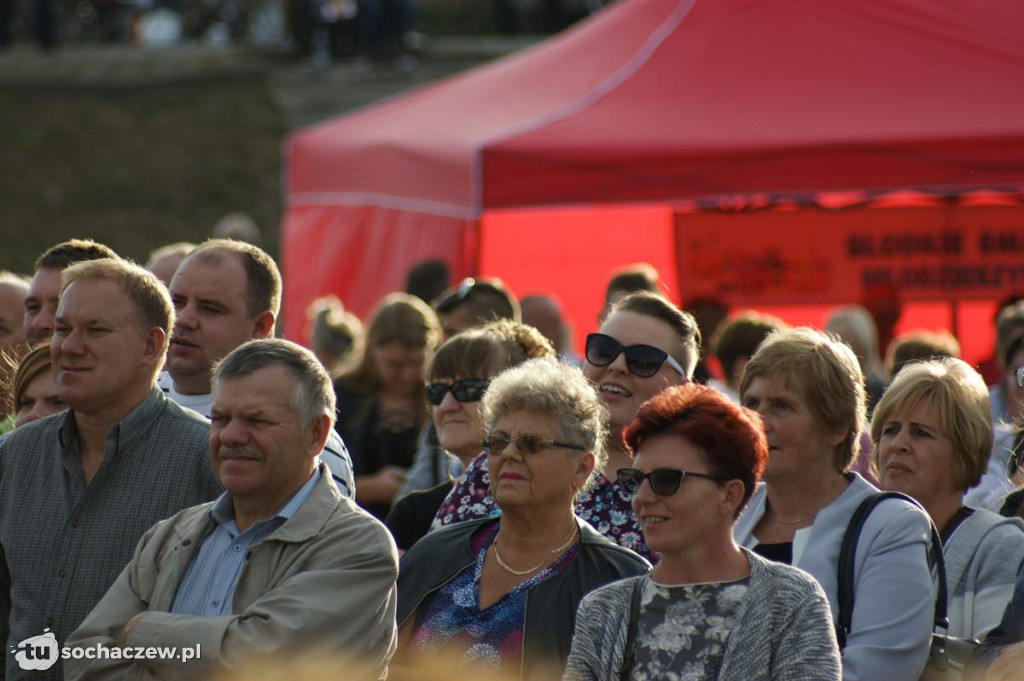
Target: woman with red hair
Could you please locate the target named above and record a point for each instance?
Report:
(710, 609)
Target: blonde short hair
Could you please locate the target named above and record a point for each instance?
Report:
(153, 307)
(959, 398)
(828, 376)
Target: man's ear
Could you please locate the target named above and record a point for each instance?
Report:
(154, 338)
(264, 325)
(319, 431)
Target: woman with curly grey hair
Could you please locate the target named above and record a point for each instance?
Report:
(501, 593)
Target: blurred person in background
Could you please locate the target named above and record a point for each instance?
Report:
(645, 345)
(709, 609)
(44, 289)
(809, 391)
(854, 325)
(932, 435)
(1006, 403)
(1006, 399)
(474, 302)
(991, 367)
(335, 334)
(502, 593)
(882, 301)
(238, 226)
(735, 342)
(427, 280)
(13, 291)
(640, 276)
(709, 313)
(457, 380)
(381, 400)
(544, 313)
(35, 392)
(471, 304)
(917, 346)
(164, 261)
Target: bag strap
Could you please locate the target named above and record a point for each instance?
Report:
(629, 654)
(848, 554)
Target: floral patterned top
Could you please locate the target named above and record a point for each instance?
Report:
(488, 639)
(682, 630)
(604, 504)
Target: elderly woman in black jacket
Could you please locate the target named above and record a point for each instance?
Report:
(502, 593)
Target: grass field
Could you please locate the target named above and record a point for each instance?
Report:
(138, 168)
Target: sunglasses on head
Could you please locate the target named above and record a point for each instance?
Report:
(1019, 375)
(464, 390)
(641, 360)
(664, 481)
(495, 445)
(455, 297)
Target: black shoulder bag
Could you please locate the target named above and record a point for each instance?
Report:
(949, 655)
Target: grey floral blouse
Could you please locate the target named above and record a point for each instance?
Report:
(682, 630)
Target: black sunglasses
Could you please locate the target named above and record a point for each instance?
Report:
(463, 390)
(664, 481)
(641, 360)
(494, 445)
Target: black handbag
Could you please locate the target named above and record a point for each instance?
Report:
(949, 655)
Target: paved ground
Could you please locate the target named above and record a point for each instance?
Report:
(306, 93)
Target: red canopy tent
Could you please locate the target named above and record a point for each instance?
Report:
(658, 124)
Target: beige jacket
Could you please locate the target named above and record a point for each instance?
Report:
(324, 580)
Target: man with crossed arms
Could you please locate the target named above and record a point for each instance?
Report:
(280, 562)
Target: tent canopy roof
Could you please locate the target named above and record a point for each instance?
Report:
(675, 99)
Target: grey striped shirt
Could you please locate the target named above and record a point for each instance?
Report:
(64, 543)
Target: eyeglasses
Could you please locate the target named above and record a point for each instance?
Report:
(495, 445)
(463, 390)
(664, 481)
(641, 360)
(1019, 373)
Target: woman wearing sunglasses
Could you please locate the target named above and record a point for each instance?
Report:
(501, 593)
(645, 345)
(809, 390)
(709, 610)
(458, 377)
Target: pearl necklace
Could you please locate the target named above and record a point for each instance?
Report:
(521, 573)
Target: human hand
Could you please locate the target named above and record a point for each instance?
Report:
(127, 630)
(381, 487)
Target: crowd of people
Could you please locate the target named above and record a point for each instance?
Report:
(695, 497)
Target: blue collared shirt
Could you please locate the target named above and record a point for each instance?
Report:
(208, 588)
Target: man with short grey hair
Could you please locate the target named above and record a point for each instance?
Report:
(280, 562)
(78, 488)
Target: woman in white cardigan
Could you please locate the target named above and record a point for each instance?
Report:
(932, 435)
(809, 390)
